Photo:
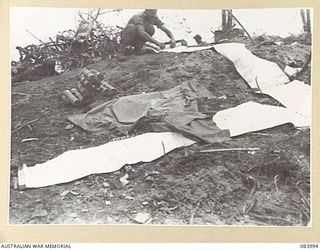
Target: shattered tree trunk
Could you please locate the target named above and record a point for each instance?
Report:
(227, 20)
(308, 21)
(305, 16)
(224, 20)
(230, 20)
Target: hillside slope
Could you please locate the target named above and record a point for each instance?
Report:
(182, 187)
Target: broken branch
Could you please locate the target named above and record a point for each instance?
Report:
(193, 213)
(34, 36)
(304, 199)
(228, 149)
(28, 123)
(243, 28)
(271, 218)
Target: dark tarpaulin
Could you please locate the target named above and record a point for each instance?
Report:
(175, 110)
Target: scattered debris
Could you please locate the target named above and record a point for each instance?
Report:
(184, 177)
(69, 50)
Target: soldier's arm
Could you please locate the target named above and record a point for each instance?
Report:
(169, 34)
(145, 36)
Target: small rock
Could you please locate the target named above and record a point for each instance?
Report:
(110, 219)
(152, 173)
(145, 203)
(64, 193)
(70, 126)
(108, 202)
(150, 178)
(105, 184)
(39, 212)
(128, 168)
(172, 68)
(223, 97)
(74, 193)
(124, 180)
(142, 218)
(15, 183)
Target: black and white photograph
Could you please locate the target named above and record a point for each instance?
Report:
(191, 117)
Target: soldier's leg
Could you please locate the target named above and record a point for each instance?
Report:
(140, 42)
(129, 35)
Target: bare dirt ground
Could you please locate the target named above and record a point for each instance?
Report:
(183, 187)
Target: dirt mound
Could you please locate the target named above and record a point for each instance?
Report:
(267, 187)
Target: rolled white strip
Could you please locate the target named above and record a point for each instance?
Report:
(106, 158)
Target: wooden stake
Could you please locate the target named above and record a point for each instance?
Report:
(163, 148)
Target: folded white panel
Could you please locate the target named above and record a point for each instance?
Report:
(295, 95)
(259, 73)
(266, 77)
(291, 71)
(252, 116)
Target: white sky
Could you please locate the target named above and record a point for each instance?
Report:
(45, 22)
